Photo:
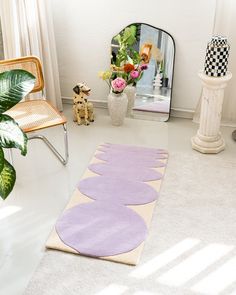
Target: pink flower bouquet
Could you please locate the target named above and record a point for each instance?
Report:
(118, 85)
(133, 73)
(114, 81)
(119, 77)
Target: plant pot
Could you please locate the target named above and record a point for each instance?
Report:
(117, 106)
(130, 92)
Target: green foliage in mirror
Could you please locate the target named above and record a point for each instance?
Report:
(126, 53)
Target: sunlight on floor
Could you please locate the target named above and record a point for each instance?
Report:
(8, 210)
(162, 259)
(218, 280)
(180, 274)
(113, 289)
(146, 293)
(194, 264)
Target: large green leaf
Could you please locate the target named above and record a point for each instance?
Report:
(14, 85)
(1, 159)
(7, 179)
(11, 136)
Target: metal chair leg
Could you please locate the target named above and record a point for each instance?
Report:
(64, 160)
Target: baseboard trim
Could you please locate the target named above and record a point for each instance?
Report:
(101, 104)
(182, 113)
(175, 112)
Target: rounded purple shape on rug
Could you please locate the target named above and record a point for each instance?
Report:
(131, 148)
(127, 159)
(135, 154)
(117, 190)
(101, 229)
(125, 172)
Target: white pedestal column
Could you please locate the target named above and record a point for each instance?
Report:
(208, 138)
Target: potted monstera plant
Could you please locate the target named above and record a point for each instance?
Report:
(14, 85)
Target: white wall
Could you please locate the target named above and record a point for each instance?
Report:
(84, 29)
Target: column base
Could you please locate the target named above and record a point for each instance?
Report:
(208, 145)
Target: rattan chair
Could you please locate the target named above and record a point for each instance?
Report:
(37, 114)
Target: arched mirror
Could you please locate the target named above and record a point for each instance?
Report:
(153, 50)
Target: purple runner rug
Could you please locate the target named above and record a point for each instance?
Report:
(110, 211)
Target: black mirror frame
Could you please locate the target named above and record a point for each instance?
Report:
(139, 23)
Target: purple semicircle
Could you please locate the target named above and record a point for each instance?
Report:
(131, 148)
(117, 190)
(131, 160)
(124, 172)
(97, 229)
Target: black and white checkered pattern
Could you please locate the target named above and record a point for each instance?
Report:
(219, 40)
(217, 53)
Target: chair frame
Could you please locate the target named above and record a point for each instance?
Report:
(63, 160)
(37, 88)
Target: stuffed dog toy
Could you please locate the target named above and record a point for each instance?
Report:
(82, 109)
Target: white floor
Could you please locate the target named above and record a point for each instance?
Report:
(44, 185)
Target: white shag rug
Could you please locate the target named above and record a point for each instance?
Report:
(190, 249)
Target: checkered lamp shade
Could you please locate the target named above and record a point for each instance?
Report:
(217, 53)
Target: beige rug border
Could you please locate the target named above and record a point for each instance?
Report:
(145, 211)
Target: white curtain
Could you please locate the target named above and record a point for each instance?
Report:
(225, 24)
(27, 29)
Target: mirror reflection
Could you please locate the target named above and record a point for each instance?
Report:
(142, 45)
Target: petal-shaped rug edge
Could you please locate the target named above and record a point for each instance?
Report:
(145, 211)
